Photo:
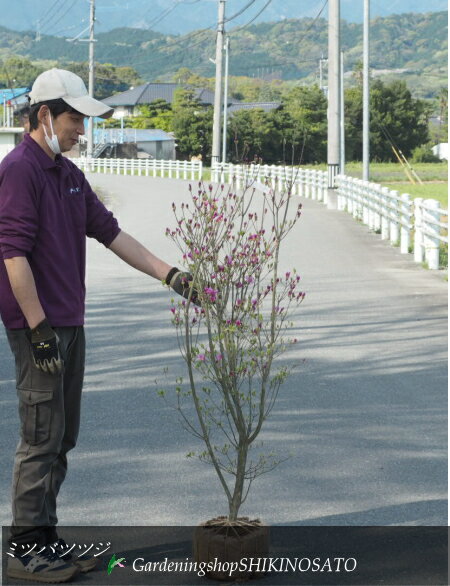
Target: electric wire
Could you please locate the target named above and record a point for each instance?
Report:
(255, 17)
(240, 11)
(54, 14)
(48, 11)
(194, 34)
(53, 24)
(163, 14)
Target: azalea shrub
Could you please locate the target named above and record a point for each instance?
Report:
(230, 241)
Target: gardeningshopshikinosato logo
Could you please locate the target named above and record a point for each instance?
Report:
(113, 562)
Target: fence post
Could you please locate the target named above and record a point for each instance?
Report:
(340, 183)
(319, 186)
(394, 232)
(404, 226)
(300, 182)
(365, 202)
(431, 234)
(385, 212)
(307, 183)
(418, 234)
(376, 199)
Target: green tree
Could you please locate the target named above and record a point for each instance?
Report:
(253, 135)
(307, 108)
(109, 79)
(442, 98)
(395, 116)
(192, 125)
(296, 132)
(157, 114)
(353, 123)
(18, 72)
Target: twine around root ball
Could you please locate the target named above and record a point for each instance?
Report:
(223, 526)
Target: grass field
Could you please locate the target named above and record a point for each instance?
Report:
(433, 175)
(393, 172)
(429, 190)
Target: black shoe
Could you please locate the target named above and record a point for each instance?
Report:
(85, 562)
(45, 566)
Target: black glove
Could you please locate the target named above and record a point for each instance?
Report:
(44, 344)
(179, 281)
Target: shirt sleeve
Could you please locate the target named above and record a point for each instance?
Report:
(19, 209)
(100, 222)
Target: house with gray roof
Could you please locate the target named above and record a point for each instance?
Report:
(127, 103)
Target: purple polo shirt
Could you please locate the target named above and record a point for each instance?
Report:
(47, 208)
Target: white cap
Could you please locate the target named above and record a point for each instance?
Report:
(59, 83)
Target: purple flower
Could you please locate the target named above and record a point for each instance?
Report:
(201, 357)
(211, 293)
(219, 357)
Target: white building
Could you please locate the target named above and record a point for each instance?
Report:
(441, 150)
(9, 138)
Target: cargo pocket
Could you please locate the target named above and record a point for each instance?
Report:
(35, 411)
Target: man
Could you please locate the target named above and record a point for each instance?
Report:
(47, 208)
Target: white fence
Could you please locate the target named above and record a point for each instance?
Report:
(396, 217)
(412, 224)
(147, 167)
(305, 182)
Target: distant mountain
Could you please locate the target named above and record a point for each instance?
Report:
(411, 45)
(69, 18)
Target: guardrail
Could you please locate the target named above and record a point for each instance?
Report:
(147, 167)
(429, 230)
(415, 225)
(396, 217)
(304, 182)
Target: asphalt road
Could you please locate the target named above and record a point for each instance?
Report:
(364, 415)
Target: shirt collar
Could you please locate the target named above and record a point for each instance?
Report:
(45, 161)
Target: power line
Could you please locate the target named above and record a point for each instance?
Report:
(54, 14)
(169, 46)
(255, 17)
(53, 24)
(240, 11)
(48, 11)
(162, 15)
(164, 56)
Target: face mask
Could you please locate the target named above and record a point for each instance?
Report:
(52, 142)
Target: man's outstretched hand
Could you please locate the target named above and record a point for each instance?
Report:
(181, 283)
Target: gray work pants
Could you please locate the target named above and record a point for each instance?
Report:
(49, 411)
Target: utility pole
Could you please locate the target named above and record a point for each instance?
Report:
(333, 93)
(366, 122)
(218, 88)
(342, 135)
(90, 137)
(225, 102)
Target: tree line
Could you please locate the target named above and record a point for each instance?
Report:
(296, 131)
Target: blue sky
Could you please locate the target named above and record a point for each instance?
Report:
(70, 17)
